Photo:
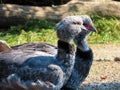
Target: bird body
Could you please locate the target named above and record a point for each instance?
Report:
(83, 62)
(33, 71)
(43, 66)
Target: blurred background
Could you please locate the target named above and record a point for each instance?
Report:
(23, 21)
(28, 21)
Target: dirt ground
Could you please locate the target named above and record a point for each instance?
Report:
(105, 71)
(106, 52)
(104, 75)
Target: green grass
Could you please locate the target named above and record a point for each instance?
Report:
(32, 31)
(108, 31)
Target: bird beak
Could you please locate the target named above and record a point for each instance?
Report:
(93, 29)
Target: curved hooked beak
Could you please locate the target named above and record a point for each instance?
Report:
(93, 29)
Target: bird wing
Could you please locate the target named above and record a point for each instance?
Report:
(50, 78)
(20, 53)
(44, 47)
(30, 66)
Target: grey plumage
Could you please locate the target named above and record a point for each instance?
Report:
(25, 63)
(83, 56)
(41, 72)
(69, 27)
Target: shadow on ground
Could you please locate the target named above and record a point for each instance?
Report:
(101, 86)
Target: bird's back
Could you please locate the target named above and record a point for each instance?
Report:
(35, 63)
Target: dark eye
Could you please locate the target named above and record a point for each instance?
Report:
(76, 23)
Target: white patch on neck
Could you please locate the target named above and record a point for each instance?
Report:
(84, 46)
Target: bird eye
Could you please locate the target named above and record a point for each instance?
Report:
(76, 23)
(79, 23)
